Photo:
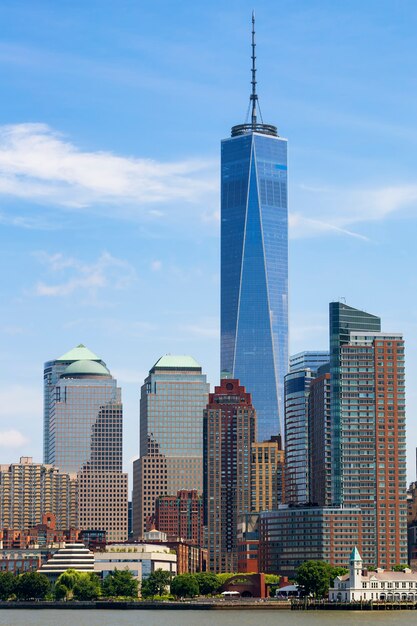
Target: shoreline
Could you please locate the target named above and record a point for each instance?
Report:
(250, 604)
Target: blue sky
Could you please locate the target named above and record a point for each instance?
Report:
(110, 121)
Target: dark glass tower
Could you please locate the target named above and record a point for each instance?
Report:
(342, 320)
(254, 263)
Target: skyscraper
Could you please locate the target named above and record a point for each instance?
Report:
(83, 436)
(254, 263)
(303, 367)
(52, 371)
(229, 432)
(368, 430)
(173, 399)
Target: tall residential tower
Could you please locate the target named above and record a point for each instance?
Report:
(254, 263)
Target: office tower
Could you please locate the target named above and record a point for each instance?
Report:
(254, 264)
(297, 383)
(84, 437)
(181, 516)
(267, 474)
(229, 432)
(52, 372)
(291, 535)
(319, 437)
(368, 430)
(173, 399)
(28, 491)
(308, 359)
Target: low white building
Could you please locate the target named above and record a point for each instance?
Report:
(141, 559)
(361, 584)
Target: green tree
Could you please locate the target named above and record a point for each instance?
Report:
(313, 578)
(64, 586)
(7, 585)
(208, 583)
(400, 567)
(156, 584)
(120, 583)
(185, 586)
(32, 586)
(87, 587)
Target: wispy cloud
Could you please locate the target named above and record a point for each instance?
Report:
(20, 401)
(206, 328)
(38, 163)
(339, 210)
(12, 439)
(107, 271)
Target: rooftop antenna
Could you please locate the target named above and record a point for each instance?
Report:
(253, 106)
(254, 95)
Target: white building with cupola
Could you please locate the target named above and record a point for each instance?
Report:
(361, 584)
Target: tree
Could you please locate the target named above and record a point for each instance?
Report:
(156, 584)
(313, 578)
(32, 586)
(7, 585)
(120, 583)
(87, 587)
(185, 586)
(64, 586)
(208, 583)
(400, 567)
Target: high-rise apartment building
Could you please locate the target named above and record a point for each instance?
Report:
(173, 399)
(181, 516)
(320, 438)
(267, 475)
(229, 433)
(254, 264)
(303, 367)
(368, 430)
(83, 435)
(28, 491)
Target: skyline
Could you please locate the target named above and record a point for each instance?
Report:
(101, 246)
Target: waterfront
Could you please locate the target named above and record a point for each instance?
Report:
(244, 617)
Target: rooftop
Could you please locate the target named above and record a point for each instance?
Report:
(86, 367)
(176, 361)
(79, 353)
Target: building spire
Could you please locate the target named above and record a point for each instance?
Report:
(254, 96)
(253, 125)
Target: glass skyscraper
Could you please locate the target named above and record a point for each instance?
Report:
(173, 399)
(83, 436)
(254, 264)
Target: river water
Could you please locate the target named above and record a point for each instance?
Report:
(244, 617)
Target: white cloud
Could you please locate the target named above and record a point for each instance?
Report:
(12, 439)
(206, 328)
(39, 164)
(337, 209)
(107, 271)
(156, 265)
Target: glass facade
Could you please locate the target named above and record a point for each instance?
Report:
(83, 436)
(172, 403)
(342, 320)
(303, 368)
(254, 271)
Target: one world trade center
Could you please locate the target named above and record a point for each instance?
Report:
(254, 263)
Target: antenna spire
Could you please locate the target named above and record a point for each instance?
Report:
(254, 96)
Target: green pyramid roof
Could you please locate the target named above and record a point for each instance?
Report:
(172, 361)
(86, 367)
(79, 353)
(354, 555)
